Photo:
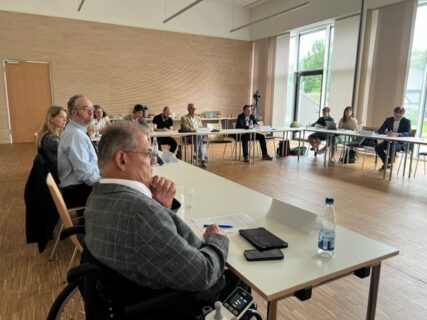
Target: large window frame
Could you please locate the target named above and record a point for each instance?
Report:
(294, 66)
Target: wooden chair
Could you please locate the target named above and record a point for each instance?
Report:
(64, 213)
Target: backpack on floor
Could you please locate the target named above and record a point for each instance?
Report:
(283, 150)
(351, 156)
(299, 151)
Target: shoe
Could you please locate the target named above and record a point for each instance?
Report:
(320, 151)
(245, 159)
(203, 164)
(266, 157)
(382, 168)
(312, 149)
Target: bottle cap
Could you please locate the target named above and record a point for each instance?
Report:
(329, 200)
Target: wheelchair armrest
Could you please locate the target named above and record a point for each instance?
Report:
(77, 229)
(162, 301)
(84, 269)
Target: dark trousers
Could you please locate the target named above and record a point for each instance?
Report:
(169, 141)
(76, 195)
(381, 147)
(260, 137)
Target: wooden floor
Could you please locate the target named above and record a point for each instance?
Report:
(393, 212)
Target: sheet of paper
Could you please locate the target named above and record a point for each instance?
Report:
(169, 157)
(237, 221)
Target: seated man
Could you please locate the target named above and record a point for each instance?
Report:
(137, 115)
(190, 122)
(396, 126)
(131, 225)
(77, 159)
(164, 122)
(246, 120)
(316, 138)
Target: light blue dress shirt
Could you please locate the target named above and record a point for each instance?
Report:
(77, 159)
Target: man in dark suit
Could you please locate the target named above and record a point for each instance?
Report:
(246, 120)
(131, 224)
(396, 126)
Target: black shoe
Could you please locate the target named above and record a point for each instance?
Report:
(203, 164)
(382, 168)
(266, 157)
(245, 159)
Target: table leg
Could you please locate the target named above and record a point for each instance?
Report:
(373, 292)
(299, 144)
(386, 159)
(325, 156)
(253, 147)
(272, 310)
(411, 147)
(404, 163)
(393, 151)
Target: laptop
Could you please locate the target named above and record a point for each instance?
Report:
(330, 125)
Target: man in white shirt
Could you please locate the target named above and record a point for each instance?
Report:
(77, 159)
(396, 126)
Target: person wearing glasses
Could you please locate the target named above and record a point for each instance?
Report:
(131, 225)
(77, 159)
(190, 123)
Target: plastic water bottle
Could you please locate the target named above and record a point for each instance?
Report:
(155, 145)
(251, 124)
(219, 125)
(326, 244)
(96, 130)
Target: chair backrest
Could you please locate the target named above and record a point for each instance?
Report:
(61, 207)
(214, 126)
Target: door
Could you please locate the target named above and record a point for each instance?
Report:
(29, 96)
(308, 93)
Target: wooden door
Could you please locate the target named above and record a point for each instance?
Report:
(29, 96)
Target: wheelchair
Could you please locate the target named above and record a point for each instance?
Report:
(96, 292)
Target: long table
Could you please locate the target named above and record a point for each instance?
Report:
(302, 269)
(348, 133)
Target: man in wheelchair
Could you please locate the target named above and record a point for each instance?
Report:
(132, 229)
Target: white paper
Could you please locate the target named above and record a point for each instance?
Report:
(238, 221)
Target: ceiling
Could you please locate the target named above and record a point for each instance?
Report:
(216, 18)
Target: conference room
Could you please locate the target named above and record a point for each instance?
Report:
(286, 59)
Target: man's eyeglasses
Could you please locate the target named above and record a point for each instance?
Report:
(85, 109)
(151, 153)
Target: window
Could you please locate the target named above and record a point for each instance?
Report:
(310, 50)
(416, 86)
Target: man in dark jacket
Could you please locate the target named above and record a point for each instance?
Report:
(246, 120)
(163, 122)
(396, 126)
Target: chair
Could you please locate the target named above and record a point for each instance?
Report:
(403, 153)
(269, 136)
(94, 292)
(366, 149)
(424, 154)
(64, 215)
(216, 139)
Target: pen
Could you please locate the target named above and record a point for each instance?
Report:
(224, 226)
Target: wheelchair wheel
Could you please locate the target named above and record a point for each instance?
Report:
(68, 305)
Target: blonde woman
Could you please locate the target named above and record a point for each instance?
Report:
(48, 136)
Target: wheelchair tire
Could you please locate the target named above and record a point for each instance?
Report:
(68, 304)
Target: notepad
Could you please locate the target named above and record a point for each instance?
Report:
(263, 239)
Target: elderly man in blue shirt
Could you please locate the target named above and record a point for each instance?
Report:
(77, 160)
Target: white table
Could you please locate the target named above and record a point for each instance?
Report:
(302, 269)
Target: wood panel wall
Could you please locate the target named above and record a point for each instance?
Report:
(118, 66)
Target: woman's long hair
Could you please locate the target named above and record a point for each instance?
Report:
(344, 117)
(48, 127)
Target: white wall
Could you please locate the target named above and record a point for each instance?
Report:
(343, 64)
